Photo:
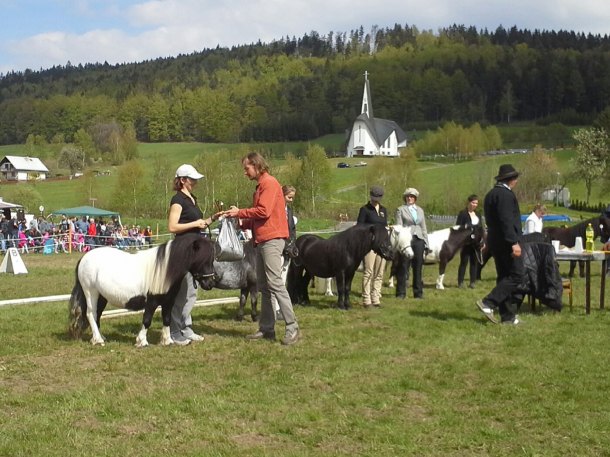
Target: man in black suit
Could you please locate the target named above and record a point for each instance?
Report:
(503, 219)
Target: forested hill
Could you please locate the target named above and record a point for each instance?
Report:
(295, 89)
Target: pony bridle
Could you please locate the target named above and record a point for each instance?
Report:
(198, 277)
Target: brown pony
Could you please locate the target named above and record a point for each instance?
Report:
(567, 235)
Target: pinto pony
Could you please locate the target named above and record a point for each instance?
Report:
(340, 255)
(445, 243)
(138, 281)
(567, 235)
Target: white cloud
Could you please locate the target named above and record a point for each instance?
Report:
(160, 28)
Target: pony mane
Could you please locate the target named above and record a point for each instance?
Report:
(156, 270)
(580, 228)
(354, 243)
(169, 263)
(188, 252)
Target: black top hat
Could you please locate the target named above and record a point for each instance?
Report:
(507, 171)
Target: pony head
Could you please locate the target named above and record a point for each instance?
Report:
(291, 250)
(400, 240)
(198, 254)
(381, 241)
(604, 228)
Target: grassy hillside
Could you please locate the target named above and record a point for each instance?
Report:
(437, 181)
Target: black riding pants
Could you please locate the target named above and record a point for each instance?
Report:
(468, 254)
(510, 274)
(417, 264)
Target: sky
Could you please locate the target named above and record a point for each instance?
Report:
(38, 34)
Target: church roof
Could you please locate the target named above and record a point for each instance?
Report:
(381, 129)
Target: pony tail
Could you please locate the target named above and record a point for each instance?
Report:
(77, 308)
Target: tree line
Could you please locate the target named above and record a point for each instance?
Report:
(298, 89)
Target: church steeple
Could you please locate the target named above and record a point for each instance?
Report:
(367, 102)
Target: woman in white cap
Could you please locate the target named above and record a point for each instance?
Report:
(411, 215)
(185, 217)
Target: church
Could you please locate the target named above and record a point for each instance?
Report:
(372, 136)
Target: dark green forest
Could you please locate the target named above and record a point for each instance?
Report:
(302, 88)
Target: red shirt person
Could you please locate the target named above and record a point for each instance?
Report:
(267, 220)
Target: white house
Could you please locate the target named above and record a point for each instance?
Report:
(16, 168)
(372, 136)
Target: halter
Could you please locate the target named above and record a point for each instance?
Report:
(198, 277)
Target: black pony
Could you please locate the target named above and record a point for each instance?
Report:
(241, 275)
(336, 257)
(144, 280)
(567, 235)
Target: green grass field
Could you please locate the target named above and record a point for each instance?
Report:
(437, 181)
(417, 378)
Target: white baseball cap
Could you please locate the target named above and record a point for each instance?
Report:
(188, 171)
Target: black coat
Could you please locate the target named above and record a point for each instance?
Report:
(503, 218)
(368, 215)
(463, 218)
(542, 279)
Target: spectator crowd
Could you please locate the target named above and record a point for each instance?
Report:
(44, 235)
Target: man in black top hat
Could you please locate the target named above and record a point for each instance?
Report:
(503, 219)
(374, 265)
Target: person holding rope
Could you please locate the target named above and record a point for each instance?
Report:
(185, 217)
(469, 216)
(268, 222)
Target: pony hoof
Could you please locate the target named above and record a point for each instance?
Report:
(239, 317)
(95, 342)
(141, 344)
(440, 287)
(255, 318)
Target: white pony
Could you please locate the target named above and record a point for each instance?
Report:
(138, 281)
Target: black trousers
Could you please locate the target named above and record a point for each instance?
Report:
(511, 271)
(416, 264)
(468, 254)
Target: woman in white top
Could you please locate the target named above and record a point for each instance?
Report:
(533, 223)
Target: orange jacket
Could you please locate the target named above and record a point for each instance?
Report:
(267, 217)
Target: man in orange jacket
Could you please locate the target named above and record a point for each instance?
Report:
(267, 220)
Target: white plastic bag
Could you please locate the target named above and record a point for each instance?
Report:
(228, 245)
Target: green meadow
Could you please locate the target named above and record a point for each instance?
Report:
(416, 377)
(438, 181)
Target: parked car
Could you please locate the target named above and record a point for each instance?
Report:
(342, 165)
(361, 164)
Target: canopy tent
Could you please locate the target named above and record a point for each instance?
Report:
(85, 211)
(6, 207)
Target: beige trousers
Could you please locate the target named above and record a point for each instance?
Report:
(372, 276)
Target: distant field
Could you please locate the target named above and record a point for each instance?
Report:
(437, 181)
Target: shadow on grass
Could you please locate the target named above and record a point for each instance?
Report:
(449, 315)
